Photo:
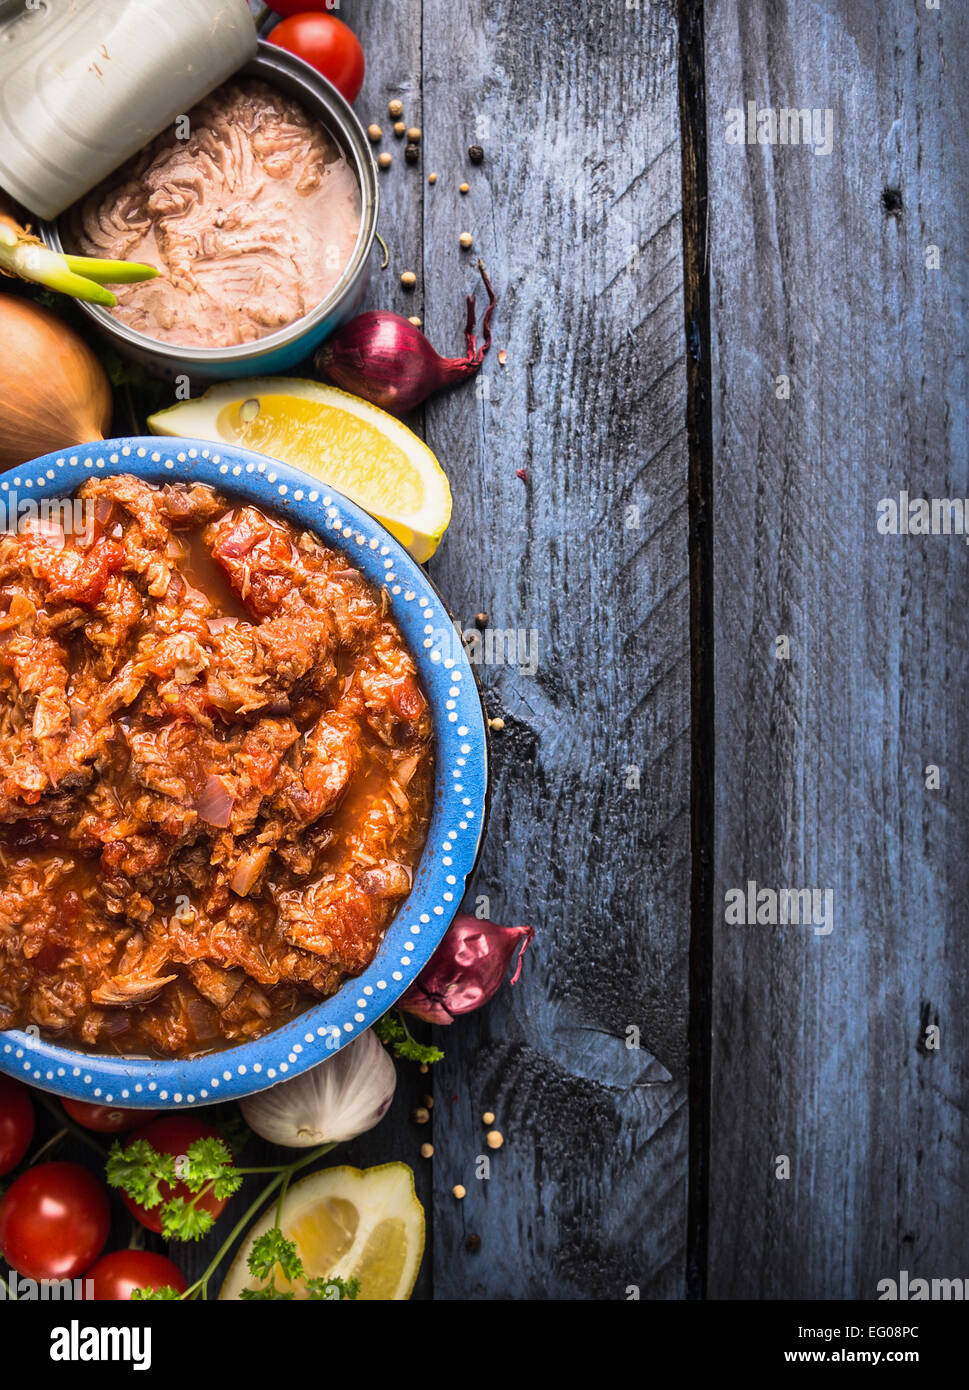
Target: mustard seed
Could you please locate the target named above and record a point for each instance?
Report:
(414, 134)
(464, 187)
(488, 1118)
(494, 1139)
(432, 178)
(375, 132)
(466, 240)
(495, 724)
(459, 1191)
(399, 129)
(427, 1151)
(421, 1115)
(385, 160)
(395, 108)
(417, 323)
(408, 279)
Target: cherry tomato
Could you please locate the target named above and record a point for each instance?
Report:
(326, 44)
(172, 1135)
(105, 1119)
(54, 1221)
(115, 1275)
(16, 1123)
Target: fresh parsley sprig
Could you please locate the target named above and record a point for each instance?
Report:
(394, 1033)
(272, 1251)
(333, 1290)
(141, 1172)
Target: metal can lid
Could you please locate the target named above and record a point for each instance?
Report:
(88, 83)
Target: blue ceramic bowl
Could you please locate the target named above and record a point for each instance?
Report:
(460, 791)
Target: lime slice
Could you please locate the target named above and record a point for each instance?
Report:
(355, 1223)
(344, 441)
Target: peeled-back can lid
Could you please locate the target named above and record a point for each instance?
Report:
(85, 84)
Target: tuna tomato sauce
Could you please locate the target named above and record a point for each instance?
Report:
(215, 771)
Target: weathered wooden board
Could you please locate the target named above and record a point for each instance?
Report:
(819, 1040)
(576, 214)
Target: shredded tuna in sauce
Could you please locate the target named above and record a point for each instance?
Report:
(250, 221)
(215, 772)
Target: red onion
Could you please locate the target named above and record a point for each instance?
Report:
(466, 970)
(215, 804)
(385, 359)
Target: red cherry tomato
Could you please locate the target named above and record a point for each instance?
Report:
(105, 1119)
(173, 1135)
(326, 44)
(116, 1275)
(54, 1221)
(16, 1123)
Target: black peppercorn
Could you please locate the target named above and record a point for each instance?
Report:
(476, 154)
(472, 1241)
(411, 153)
(481, 620)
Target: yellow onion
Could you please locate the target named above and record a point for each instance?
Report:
(54, 392)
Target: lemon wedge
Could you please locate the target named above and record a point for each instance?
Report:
(357, 1223)
(344, 441)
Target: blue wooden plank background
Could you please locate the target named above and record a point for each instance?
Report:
(839, 378)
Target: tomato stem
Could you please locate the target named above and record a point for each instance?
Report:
(48, 1144)
(65, 1122)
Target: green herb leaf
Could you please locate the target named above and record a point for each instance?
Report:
(208, 1161)
(139, 1170)
(393, 1033)
(334, 1290)
(165, 1292)
(272, 1249)
(183, 1221)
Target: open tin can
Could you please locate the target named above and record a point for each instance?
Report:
(282, 350)
(86, 84)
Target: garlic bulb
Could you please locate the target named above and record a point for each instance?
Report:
(335, 1101)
